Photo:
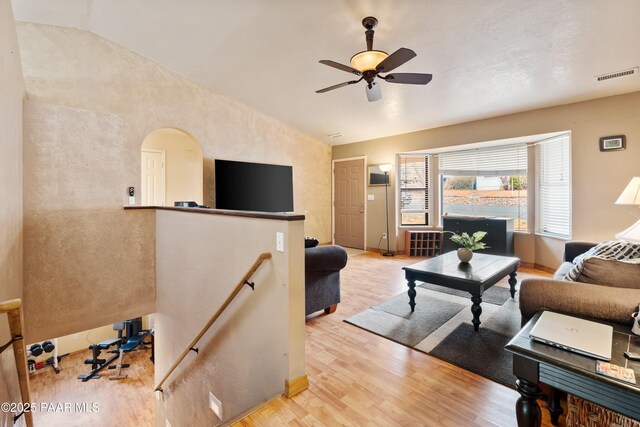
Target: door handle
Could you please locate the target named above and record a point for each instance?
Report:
(361, 209)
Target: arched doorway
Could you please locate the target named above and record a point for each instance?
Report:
(171, 168)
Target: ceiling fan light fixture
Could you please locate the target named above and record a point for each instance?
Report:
(368, 60)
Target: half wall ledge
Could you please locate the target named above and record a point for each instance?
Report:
(209, 211)
(200, 254)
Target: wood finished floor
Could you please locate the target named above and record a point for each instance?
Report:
(356, 377)
(127, 402)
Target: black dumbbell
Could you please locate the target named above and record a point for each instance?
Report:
(48, 346)
(36, 350)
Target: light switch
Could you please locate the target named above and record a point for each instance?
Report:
(371, 197)
(280, 242)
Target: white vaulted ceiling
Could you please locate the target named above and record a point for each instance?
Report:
(487, 57)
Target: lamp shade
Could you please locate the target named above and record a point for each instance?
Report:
(386, 167)
(631, 234)
(367, 60)
(631, 194)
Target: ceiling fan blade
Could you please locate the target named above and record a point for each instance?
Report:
(339, 66)
(373, 92)
(339, 85)
(395, 60)
(408, 78)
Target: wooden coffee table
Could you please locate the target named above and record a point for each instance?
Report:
(475, 277)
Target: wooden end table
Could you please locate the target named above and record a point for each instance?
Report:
(475, 277)
(535, 363)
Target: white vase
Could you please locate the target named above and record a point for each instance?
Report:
(465, 254)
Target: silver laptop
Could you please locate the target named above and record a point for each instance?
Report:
(570, 333)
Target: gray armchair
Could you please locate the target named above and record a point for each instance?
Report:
(322, 277)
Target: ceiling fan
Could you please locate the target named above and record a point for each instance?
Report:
(369, 63)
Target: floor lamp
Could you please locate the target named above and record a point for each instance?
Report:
(386, 168)
(630, 196)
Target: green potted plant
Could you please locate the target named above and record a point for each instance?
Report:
(468, 244)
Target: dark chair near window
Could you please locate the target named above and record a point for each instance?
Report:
(322, 277)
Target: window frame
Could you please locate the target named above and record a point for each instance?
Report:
(539, 204)
(428, 192)
(518, 166)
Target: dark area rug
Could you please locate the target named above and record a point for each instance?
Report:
(393, 319)
(480, 352)
(494, 295)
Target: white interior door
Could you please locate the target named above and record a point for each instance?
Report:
(153, 178)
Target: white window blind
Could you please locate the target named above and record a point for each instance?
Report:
(507, 160)
(414, 189)
(553, 186)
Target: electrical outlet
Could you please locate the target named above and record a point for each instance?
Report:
(215, 405)
(384, 236)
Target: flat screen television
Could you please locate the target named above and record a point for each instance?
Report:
(253, 186)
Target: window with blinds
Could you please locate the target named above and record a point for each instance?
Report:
(553, 186)
(490, 181)
(414, 189)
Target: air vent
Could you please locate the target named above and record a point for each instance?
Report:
(334, 135)
(609, 76)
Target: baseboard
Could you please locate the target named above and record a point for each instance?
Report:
(295, 386)
(544, 268)
(247, 413)
(291, 388)
(380, 251)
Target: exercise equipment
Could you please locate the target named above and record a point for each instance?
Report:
(96, 363)
(131, 344)
(35, 350)
(130, 337)
(46, 347)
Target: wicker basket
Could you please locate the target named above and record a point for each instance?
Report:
(583, 413)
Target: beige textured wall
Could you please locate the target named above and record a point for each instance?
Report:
(598, 178)
(256, 344)
(11, 226)
(89, 263)
(90, 105)
(183, 170)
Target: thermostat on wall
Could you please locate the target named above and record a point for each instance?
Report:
(132, 198)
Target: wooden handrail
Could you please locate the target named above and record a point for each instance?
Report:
(244, 281)
(13, 308)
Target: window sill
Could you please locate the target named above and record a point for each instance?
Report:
(553, 236)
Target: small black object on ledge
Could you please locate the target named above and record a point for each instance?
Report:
(189, 204)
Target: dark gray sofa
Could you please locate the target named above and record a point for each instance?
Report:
(322, 277)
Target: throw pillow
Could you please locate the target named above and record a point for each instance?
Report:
(618, 250)
(310, 242)
(622, 274)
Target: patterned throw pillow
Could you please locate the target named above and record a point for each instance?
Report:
(618, 250)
